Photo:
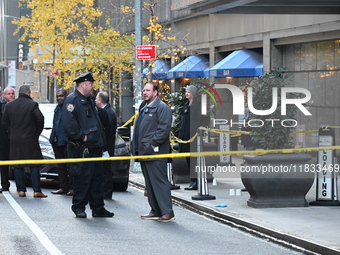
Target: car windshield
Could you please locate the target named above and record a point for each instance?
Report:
(48, 112)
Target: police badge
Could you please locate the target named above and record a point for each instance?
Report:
(70, 107)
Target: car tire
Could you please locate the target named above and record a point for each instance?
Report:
(120, 186)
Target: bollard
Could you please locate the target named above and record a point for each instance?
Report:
(203, 191)
(171, 176)
(326, 182)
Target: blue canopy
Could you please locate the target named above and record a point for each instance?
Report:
(159, 70)
(191, 67)
(240, 63)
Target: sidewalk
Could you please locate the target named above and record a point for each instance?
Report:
(315, 228)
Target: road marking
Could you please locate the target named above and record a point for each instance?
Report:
(42, 237)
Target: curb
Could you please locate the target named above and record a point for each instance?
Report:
(275, 236)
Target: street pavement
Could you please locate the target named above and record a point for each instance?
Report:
(314, 228)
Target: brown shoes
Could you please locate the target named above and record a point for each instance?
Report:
(149, 216)
(22, 194)
(39, 194)
(36, 194)
(167, 217)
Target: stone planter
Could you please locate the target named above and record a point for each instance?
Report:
(277, 180)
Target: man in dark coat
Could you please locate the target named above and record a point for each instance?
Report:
(102, 101)
(24, 123)
(191, 121)
(59, 141)
(8, 96)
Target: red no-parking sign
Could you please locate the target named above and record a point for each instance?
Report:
(146, 52)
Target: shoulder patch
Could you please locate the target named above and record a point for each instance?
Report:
(70, 107)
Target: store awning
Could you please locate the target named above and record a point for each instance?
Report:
(159, 70)
(191, 67)
(240, 63)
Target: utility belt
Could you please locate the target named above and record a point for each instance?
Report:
(79, 150)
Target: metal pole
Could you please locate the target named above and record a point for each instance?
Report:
(138, 63)
(170, 176)
(2, 60)
(203, 191)
(137, 77)
(39, 86)
(4, 40)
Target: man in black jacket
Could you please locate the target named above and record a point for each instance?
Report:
(59, 141)
(102, 101)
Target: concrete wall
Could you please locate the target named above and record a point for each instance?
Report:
(232, 31)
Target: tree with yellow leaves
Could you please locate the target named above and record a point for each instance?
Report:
(64, 37)
(157, 34)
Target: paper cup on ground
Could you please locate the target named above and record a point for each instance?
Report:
(238, 192)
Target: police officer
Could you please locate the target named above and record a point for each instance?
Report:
(86, 139)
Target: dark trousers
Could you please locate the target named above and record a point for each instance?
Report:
(5, 178)
(4, 170)
(107, 179)
(191, 161)
(20, 178)
(64, 176)
(87, 182)
(157, 186)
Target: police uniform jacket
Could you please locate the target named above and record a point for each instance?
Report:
(80, 118)
(24, 122)
(154, 129)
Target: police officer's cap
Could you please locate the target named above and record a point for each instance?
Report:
(84, 77)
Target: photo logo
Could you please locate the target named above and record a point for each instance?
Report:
(238, 100)
(239, 105)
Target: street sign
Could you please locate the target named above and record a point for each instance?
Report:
(326, 183)
(21, 53)
(29, 83)
(53, 72)
(146, 52)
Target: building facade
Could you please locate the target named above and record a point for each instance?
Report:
(302, 36)
(303, 39)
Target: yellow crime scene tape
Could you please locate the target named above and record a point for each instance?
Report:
(130, 120)
(168, 155)
(182, 154)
